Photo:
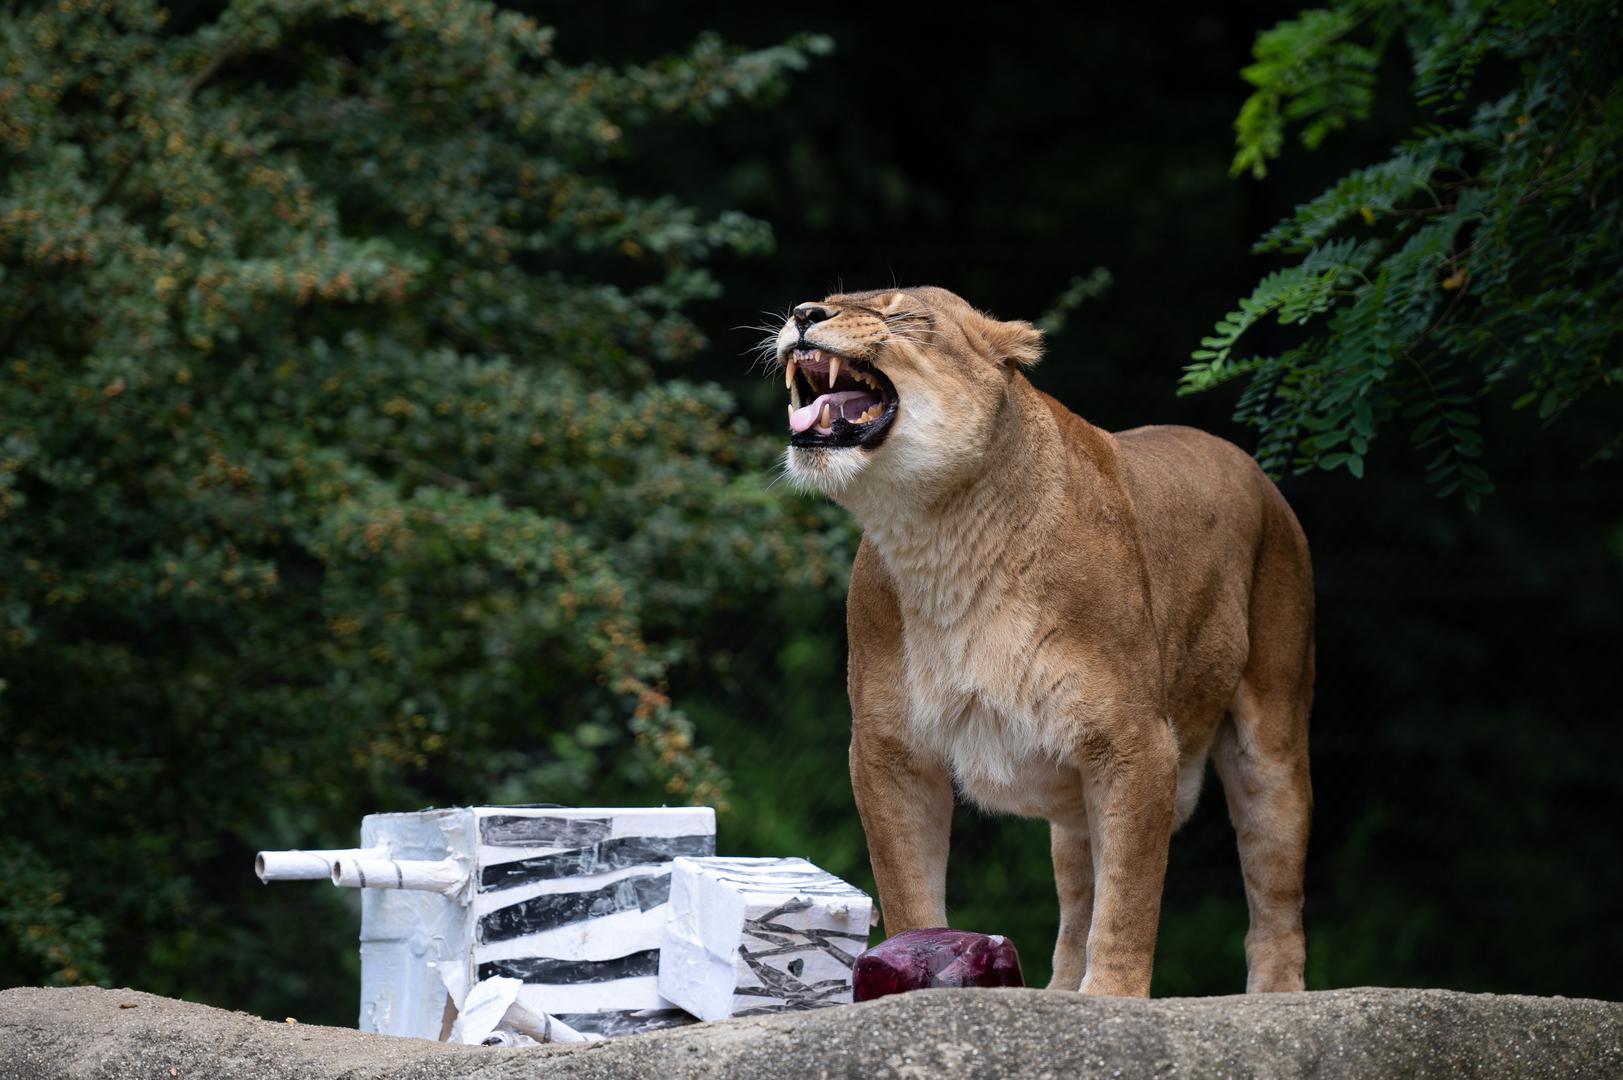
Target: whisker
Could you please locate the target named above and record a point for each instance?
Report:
(765, 352)
(783, 471)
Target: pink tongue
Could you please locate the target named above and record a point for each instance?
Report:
(807, 416)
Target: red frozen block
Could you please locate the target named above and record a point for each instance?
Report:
(924, 959)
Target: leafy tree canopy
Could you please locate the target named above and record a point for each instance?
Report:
(1481, 258)
(339, 441)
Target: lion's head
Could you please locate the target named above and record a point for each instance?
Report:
(894, 388)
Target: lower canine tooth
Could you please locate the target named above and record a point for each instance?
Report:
(824, 421)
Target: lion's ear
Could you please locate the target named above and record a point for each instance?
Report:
(1013, 342)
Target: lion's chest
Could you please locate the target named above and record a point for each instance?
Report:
(987, 689)
(974, 696)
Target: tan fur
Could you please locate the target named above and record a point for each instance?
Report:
(1065, 623)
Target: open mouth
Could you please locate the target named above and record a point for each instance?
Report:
(835, 401)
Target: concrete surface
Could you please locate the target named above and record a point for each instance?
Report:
(91, 1033)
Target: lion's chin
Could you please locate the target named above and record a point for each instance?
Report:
(830, 471)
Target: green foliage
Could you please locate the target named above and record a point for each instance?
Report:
(341, 468)
(1080, 291)
(1306, 72)
(1481, 257)
(44, 934)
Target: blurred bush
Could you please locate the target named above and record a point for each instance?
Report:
(342, 465)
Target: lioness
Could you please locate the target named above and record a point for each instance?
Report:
(1065, 621)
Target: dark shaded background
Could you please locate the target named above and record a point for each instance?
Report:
(1466, 732)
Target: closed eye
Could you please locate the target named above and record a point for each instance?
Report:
(916, 326)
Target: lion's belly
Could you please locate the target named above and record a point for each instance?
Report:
(1043, 788)
(1002, 762)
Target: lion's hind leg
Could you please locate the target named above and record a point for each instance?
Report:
(1261, 751)
(1261, 757)
(1073, 880)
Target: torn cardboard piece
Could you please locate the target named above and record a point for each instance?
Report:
(491, 1015)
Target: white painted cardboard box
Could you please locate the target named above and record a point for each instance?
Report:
(750, 936)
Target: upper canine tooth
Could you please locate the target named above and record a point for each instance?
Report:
(789, 374)
(833, 371)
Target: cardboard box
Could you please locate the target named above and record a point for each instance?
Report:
(745, 937)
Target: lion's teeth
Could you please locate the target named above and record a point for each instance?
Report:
(824, 421)
(789, 374)
(833, 371)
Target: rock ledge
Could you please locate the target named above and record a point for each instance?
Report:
(93, 1033)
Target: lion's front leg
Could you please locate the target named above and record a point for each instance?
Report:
(904, 798)
(906, 809)
(1129, 779)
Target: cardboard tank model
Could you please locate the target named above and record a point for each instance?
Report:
(515, 924)
(569, 901)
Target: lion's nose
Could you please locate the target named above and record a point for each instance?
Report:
(806, 314)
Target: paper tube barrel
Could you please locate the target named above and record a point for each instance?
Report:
(364, 870)
(301, 865)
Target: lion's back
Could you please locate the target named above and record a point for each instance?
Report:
(1175, 471)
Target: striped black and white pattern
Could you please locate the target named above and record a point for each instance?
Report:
(573, 902)
(751, 936)
(611, 1022)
